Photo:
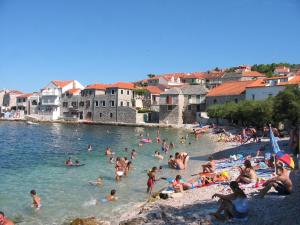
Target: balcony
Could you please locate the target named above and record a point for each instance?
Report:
(195, 101)
(168, 101)
(53, 92)
(47, 101)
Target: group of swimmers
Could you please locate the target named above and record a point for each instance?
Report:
(180, 161)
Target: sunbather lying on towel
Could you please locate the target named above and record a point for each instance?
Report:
(179, 185)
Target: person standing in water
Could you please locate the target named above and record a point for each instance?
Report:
(151, 180)
(36, 200)
(4, 220)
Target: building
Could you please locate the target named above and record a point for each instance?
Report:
(50, 107)
(70, 105)
(213, 79)
(182, 105)
(282, 71)
(269, 87)
(241, 76)
(234, 91)
(28, 104)
(10, 99)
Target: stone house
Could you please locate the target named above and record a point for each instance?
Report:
(182, 105)
(234, 91)
(70, 105)
(116, 105)
(28, 103)
(10, 99)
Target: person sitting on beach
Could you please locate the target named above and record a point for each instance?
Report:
(90, 148)
(4, 220)
(171, 162)
(234, 205)
(69, 162)
(178, 185)
(36, 200)
(209, 167)
(181, 160)
(281, 183)
(133, 154)
(112, 196)
(151, 180)
(248, 174)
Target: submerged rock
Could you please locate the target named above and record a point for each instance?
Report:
(89, 221)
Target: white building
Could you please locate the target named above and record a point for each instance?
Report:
(269, 87)
(50, 97)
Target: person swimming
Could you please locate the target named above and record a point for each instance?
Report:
(90, 148)
(97, 182)
(133, 154)
(69, 162)
(112, 196)
(36, 200)
(108, 151)
(158, 155)
(112, 160)
(77, 163)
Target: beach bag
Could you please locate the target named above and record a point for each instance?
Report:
(163, 195)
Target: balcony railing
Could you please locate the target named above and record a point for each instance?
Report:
(54, 92)
(195, 101)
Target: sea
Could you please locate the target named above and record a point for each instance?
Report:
(33, 156)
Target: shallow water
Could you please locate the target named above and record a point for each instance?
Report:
(32, 157)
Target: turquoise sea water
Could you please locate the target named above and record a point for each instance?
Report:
(32, 157)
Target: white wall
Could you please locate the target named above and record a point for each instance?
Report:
(262, 93)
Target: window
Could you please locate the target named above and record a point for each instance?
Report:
(65, 104)
(121, 92)
(103, 103)
(236, 100)
(121, 103)
(74, 104)
(112, 91)
(110, 115)
(169, 100)
(112, 103)
(96, 103)
(215, 101)
(170, 107)
(34, 102)
(128, 104)
(81, 103)
(189, 107)
(128, 92)
(198, 97)
(198, 108)
(100, 115)
(253, 96)
(189, 96)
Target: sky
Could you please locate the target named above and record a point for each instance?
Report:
(97, 41)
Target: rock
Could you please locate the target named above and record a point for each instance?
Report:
(89, 221)
(134, 221)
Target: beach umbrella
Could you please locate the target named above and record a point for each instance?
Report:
(285, 158)
(273, 141)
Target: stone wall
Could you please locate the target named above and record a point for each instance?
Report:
(211, 100)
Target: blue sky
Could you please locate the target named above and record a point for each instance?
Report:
(107, 41)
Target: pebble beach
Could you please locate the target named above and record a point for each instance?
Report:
(194, 206)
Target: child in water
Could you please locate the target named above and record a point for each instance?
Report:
(36, 200)
(112, 196)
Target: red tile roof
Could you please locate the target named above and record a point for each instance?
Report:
(15, 92)
(25, 95)
(62, 83)
(262, 82)
(252, 74)
(154, 89)
(74, 91)
(282, 69)
(230, 88)
(122, 85)
(214, 74)
(96, 87)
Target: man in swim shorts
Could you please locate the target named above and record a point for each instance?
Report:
(4, 220)
(36, 200)
(282, 183)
